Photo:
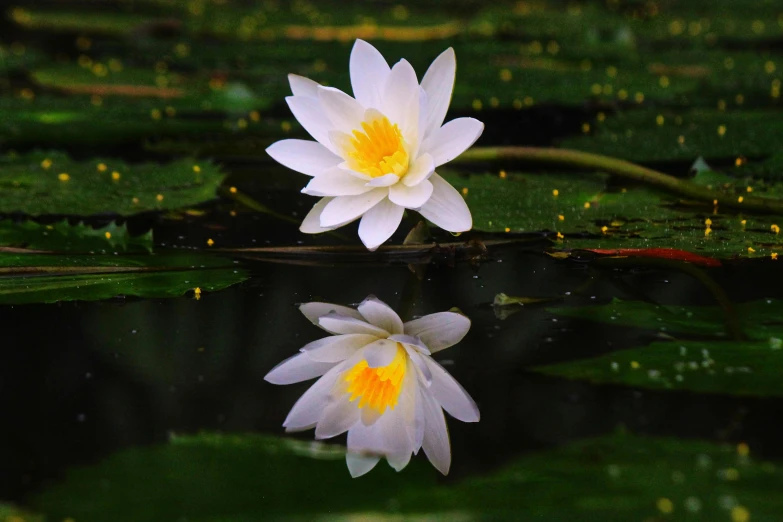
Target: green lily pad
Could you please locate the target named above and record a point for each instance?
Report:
(667, 135)
(48, 278)
(65, 237)
(723, 367)
(759, 320)
(734, 367)
(249, 477)
(41, 184)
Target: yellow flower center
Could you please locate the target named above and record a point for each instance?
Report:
(378, 149)
(377, 388)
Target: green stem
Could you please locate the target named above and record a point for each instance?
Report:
(623, 169)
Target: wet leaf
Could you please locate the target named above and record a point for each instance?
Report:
(613, 478)
(54, 184)
(65, 237)
(48, 278)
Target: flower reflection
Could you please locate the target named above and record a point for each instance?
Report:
(378, 383)
(375, 154)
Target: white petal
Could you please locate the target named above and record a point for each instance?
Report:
(337, 347)
(383, 181)
(451, 140)
(446, 208)
(380, 314)
(312, 221)
(336, 182)
(380, 353)
(420, 170)
(419, 361)
(451, 396)
(397, 438)
(315, 310)
(297, 369)
(337, 418)
(308, 157)
(398, 462)
(359, 465)
(414, 342)
(345, 113)
(401, 100)
(344, 209)
(340, 324)
(411, 197)
(310, 406)
(379, 223)
(438, 83)
(301, 86)
(365, 439)
(310, 115)
(369, 71)
(436, 435)
(439, 331)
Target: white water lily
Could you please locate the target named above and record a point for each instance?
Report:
(378, 383)
(375, 154)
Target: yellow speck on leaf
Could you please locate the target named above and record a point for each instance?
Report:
(560, 236)
(775, 228)
(196, 168)
(561, 217)
(635, 365)
(233, 190)
(743, 450)
(102, 167)
(115, 176)
(740, 514)
(751, 250)
(159, 197)
(197, 293)
(774, 255)
(707, 232)
(155, 114)
(108, 235)
(604, 229)
(749, 189)
(45, 164)
(210, 242)
(502, 174)
(708, 222)
(587, 204)
(507, 229)
(63, 176)
(465, 191)
(135, 201)
(665, 505)
(740, 199)
(555, 193)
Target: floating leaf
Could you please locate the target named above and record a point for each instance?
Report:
(666, 135)
(64, 237)
(48, 278)
(54, 184)
(612, 478)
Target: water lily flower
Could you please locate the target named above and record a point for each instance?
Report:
(378, 383)
(376, 153)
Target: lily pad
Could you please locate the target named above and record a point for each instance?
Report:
(48, 278)
(614, 478)
(41, 184)
(668, 135)
(65, 237)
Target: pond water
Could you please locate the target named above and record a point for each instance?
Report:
(625, 343)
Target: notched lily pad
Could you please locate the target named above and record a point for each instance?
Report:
(63, 236)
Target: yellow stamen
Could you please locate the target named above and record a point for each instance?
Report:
(377, 388)
(379, 150)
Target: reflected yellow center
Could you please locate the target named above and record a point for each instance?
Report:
(378, 148)
(377, 388)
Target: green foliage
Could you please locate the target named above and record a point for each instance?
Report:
(48, 278)
(41, 184)
(65, 237)
(249, 477)
(732, 367)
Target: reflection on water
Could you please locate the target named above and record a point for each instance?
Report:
(82, 381)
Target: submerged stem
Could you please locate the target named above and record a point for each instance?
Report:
(623, 169)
